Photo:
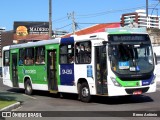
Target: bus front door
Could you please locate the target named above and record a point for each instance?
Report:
(101, 70)
(52, 70)
(14, 70)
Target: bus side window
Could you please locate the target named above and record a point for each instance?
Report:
(6, 58)
(21, 57)
(40, 55)
(63, 54)
(67, 54)
(29, 56)
(83, 52)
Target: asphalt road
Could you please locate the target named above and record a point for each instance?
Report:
(44, 101)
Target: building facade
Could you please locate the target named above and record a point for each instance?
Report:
(2, 29)
(139, 17)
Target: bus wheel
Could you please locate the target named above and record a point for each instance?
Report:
(28, 87)
(84, 93)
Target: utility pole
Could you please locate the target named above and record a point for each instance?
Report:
(50, 19)
(71, 15)
(147, 8)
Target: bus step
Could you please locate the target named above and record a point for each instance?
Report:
(53, 91)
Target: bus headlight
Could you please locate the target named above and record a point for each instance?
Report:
(115, 82)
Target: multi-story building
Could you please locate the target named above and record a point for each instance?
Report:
(2, 29)
(139, 17)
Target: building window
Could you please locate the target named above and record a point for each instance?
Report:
(29, 56)
(83, 52)
(40, 55)
(67, 54)
(6, 58)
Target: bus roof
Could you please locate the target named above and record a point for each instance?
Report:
(93, 36)
(39, 43)
(125, 30)
(6, 47)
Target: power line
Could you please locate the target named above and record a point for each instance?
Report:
(101, 13)
(78, 26)
(72, 16)
(110, 11)
(64, 26)
(74, 24)
(60, 19)
(155, 7)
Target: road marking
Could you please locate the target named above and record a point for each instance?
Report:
(30, 96)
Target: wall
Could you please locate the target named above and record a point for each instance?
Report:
(154, 34)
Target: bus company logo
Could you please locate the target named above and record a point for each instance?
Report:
(21, 31)
(28, 71)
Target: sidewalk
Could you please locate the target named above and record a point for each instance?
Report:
(11, 107)
(8, 101)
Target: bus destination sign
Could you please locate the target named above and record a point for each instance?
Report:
(130, 37)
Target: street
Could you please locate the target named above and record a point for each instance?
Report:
(44, 101)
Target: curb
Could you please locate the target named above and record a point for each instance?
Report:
(11, 107)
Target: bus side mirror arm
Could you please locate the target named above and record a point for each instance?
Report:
(155, 57)
(105, 42)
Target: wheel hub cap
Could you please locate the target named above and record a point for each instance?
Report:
(85, 92)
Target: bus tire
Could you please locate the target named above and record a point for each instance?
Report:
(28, 87)
(84, 93)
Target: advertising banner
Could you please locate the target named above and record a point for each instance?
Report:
(31, 30)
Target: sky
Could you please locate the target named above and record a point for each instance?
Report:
(87, 12)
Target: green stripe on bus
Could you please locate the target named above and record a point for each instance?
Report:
(128, 83)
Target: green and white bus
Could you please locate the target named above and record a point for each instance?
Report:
(117, 62)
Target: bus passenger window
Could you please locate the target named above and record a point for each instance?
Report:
(67, 54)
(63, 59)
(40, 55)
(29, 56)
(21, 57)
(83, 52)
(6, 58)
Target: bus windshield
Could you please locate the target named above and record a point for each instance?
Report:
(131, 59)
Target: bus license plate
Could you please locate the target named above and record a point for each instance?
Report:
(137, 92)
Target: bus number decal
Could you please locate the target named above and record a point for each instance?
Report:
(66, 71)
(67, 74)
